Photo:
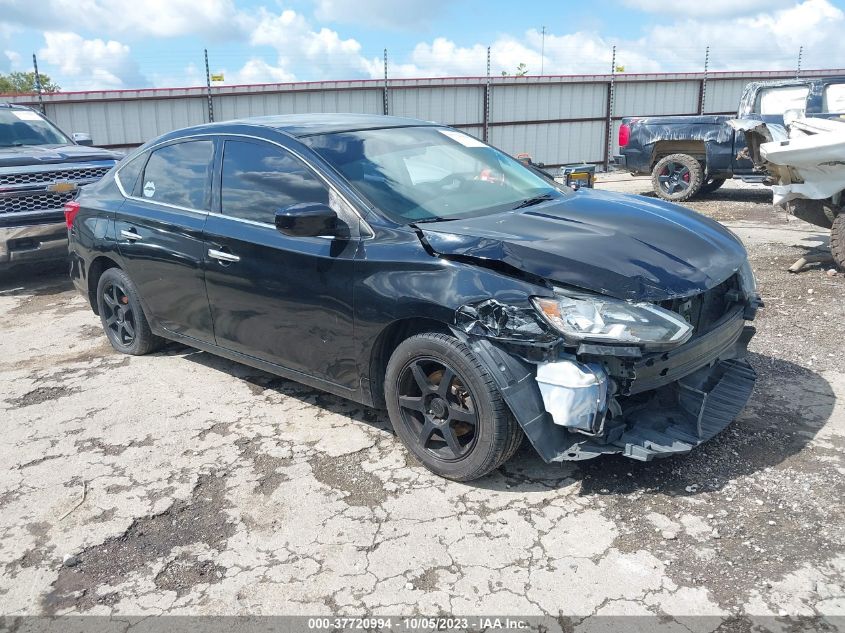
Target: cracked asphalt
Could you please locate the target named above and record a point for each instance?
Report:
(182, 483)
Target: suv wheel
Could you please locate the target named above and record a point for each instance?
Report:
(121, 314)
(446, 408)
(837, 240)
(677, 177)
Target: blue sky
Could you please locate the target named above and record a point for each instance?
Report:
(102, 44)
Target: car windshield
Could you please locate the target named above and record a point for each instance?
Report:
(25, 127)
(429, 174)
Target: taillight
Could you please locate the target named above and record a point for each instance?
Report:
(71, 209)
(624, 134)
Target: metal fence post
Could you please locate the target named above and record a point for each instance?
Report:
(608, 132)
(703, 89)
(385, 106)
(486, 127)
(38, 87)
(208, 85)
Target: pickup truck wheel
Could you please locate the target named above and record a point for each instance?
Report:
(712, 185)
(677, 177)
(837, 240)
(446, 408)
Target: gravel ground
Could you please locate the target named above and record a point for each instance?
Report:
(181, 483)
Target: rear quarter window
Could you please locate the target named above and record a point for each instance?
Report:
(833, 98)
(127, 175)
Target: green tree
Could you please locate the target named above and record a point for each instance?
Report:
(23, 83)
(521, 71)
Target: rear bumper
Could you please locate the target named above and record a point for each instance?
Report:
(31, 243)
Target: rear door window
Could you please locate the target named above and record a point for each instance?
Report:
(179, 174)
(833, 98)
(780, 99)
(259, 179)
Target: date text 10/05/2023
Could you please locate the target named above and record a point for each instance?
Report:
(417, 623)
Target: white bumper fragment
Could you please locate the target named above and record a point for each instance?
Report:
(574, 394)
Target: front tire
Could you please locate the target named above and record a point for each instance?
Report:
(677, 177)
(122, 316)
(446, 408)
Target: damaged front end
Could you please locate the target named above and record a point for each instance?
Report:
(578, 399)
(804, 162)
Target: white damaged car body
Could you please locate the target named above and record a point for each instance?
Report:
(805, 163)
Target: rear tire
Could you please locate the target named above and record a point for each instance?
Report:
(461, 429)
(122, 316)
(677, 177)
(711, 185)
(837, 240)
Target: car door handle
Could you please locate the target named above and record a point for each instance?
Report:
(222, 256)
(132, 235)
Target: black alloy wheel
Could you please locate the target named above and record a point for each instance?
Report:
(122, 315)
(438, 408)
(118, 316)
(446, 408)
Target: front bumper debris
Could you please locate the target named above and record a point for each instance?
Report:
(640, 406)
(681, 416)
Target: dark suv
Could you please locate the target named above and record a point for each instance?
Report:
(41, 168)
(407, 265)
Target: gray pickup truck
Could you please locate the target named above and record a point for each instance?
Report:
(41, 168)
(688, 155)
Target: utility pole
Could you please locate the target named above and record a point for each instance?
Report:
(385, 105)
(543, 51)
(704, 81)
(38, 87)
(208, 86)
(798, 68)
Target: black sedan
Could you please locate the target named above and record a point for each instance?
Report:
(409, 266)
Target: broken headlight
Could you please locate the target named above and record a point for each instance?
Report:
(748, 280)
(598, 319)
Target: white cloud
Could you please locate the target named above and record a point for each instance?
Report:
(322, 53)
(404, 15)
(258, 71)
(14, 60)
(761, 41)
(765, 41)
(715, 8)
(90, 64)
(218, 19)
(750, 36)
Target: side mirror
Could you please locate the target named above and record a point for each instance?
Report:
(82, 138)
(310, 219)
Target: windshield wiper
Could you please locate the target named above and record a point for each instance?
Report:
(530, 202)
(434, 219)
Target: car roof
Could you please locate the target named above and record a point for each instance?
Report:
(300, 125)
(13, 106)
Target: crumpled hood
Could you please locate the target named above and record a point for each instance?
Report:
(45, 154)
(625, 246)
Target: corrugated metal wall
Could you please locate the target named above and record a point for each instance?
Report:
(556, 120)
